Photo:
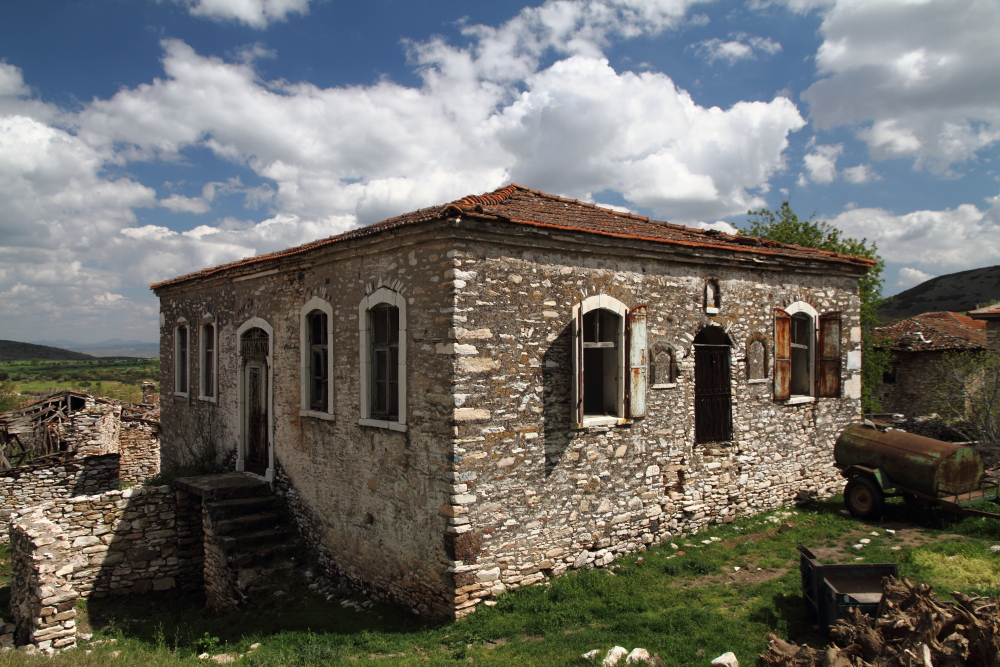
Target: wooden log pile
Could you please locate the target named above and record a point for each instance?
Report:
(913, 629)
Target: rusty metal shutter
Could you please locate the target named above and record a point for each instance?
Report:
(828, 356)
(635, 388)
(782, 355)
(577, 343)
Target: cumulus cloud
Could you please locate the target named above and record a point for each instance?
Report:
(718, 225)
(486, 113)
(909, 277)
(741, 47)
(821, 162)
(254, 13)
(942, 241)
(916, 77)
(862, 173)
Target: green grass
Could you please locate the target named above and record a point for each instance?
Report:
(687, 608)
(119, 379)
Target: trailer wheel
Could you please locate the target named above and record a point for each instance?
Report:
(864, 498)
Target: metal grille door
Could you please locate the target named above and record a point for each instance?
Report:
(713, 415)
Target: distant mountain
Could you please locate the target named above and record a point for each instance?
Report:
(114, 347)
(12, 350)
(959, 292)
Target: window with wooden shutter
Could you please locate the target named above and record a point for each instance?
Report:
(782, 355)
(828, 356)
(635, 389)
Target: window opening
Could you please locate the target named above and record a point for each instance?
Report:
(181, 384)
(208, 362)
(889, 376)
(802, 353)
(318, 364)
(713, 299)
(600, 362)
(384, 328)
(254, 343)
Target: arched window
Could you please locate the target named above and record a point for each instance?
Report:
(382, 325)
(608, 339)
(316, 346)
(664, 361)
(208, 339)
(757, 366)
(182, 360)
(713, 299)
(806, 353)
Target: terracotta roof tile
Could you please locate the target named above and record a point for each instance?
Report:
(520, 205)
(942, 330)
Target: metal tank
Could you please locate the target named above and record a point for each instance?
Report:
(925, 465)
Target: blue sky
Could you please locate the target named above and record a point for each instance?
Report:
(141, 139)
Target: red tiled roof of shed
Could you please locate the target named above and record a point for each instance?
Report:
(521, 205)
(937, 331)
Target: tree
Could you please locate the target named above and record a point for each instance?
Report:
(967, 393)
(784, 226)
(9, 397)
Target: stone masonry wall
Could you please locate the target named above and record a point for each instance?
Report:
(532, 497)
(364, 497)
(912, 393)
(116, 543)
(71, 476)
(140, 450)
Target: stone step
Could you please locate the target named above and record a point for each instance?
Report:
(225, 509)
(262, 554)
(248, 541)
(224, 486)
(247, 523)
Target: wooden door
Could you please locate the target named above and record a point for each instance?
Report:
(713, 415)
(256, 417)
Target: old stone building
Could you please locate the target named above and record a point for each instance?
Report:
(918, 344)
(480, 395)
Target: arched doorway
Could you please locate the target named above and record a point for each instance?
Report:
(255, 417)
(713, 410)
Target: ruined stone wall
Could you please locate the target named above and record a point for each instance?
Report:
(116, 543)
(365, 498)
(140, 451)
(912, 394)
(533, 497)
(49, 480)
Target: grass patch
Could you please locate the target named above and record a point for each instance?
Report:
(687, 608)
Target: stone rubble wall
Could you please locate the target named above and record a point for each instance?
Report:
(532, 497)
(116, 543)
(71, 476)
(94, 430)
(140, 451)
(913, 392)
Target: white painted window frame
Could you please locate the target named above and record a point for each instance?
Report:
(793, 309)
(208, 321)
(393, 298)
(255, 322)
(182, 323)
(305, 359)
(603, 301)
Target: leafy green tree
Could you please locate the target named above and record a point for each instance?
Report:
(967, 394)
(9, 397)
(784, 226)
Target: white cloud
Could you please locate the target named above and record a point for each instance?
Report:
(742, 47)
(718, 225)
(942, 241)
(822, 162)
(918, 77)
(909, 277)
(254, 13)
(862, 173)
(485, 114)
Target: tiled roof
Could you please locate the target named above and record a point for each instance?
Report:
(517, 204)
(942, 330)
(987, 313)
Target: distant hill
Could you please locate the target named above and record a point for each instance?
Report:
(115, 347)
(12, 350)
(960, 292)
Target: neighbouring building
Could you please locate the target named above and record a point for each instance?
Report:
(479, 395)
(918, 345)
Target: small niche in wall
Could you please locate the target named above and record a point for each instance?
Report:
(756, 358)
(663, 360)
(713, 298)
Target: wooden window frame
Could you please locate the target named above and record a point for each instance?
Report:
(182, 359)
(382, 295)
(208, 360)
